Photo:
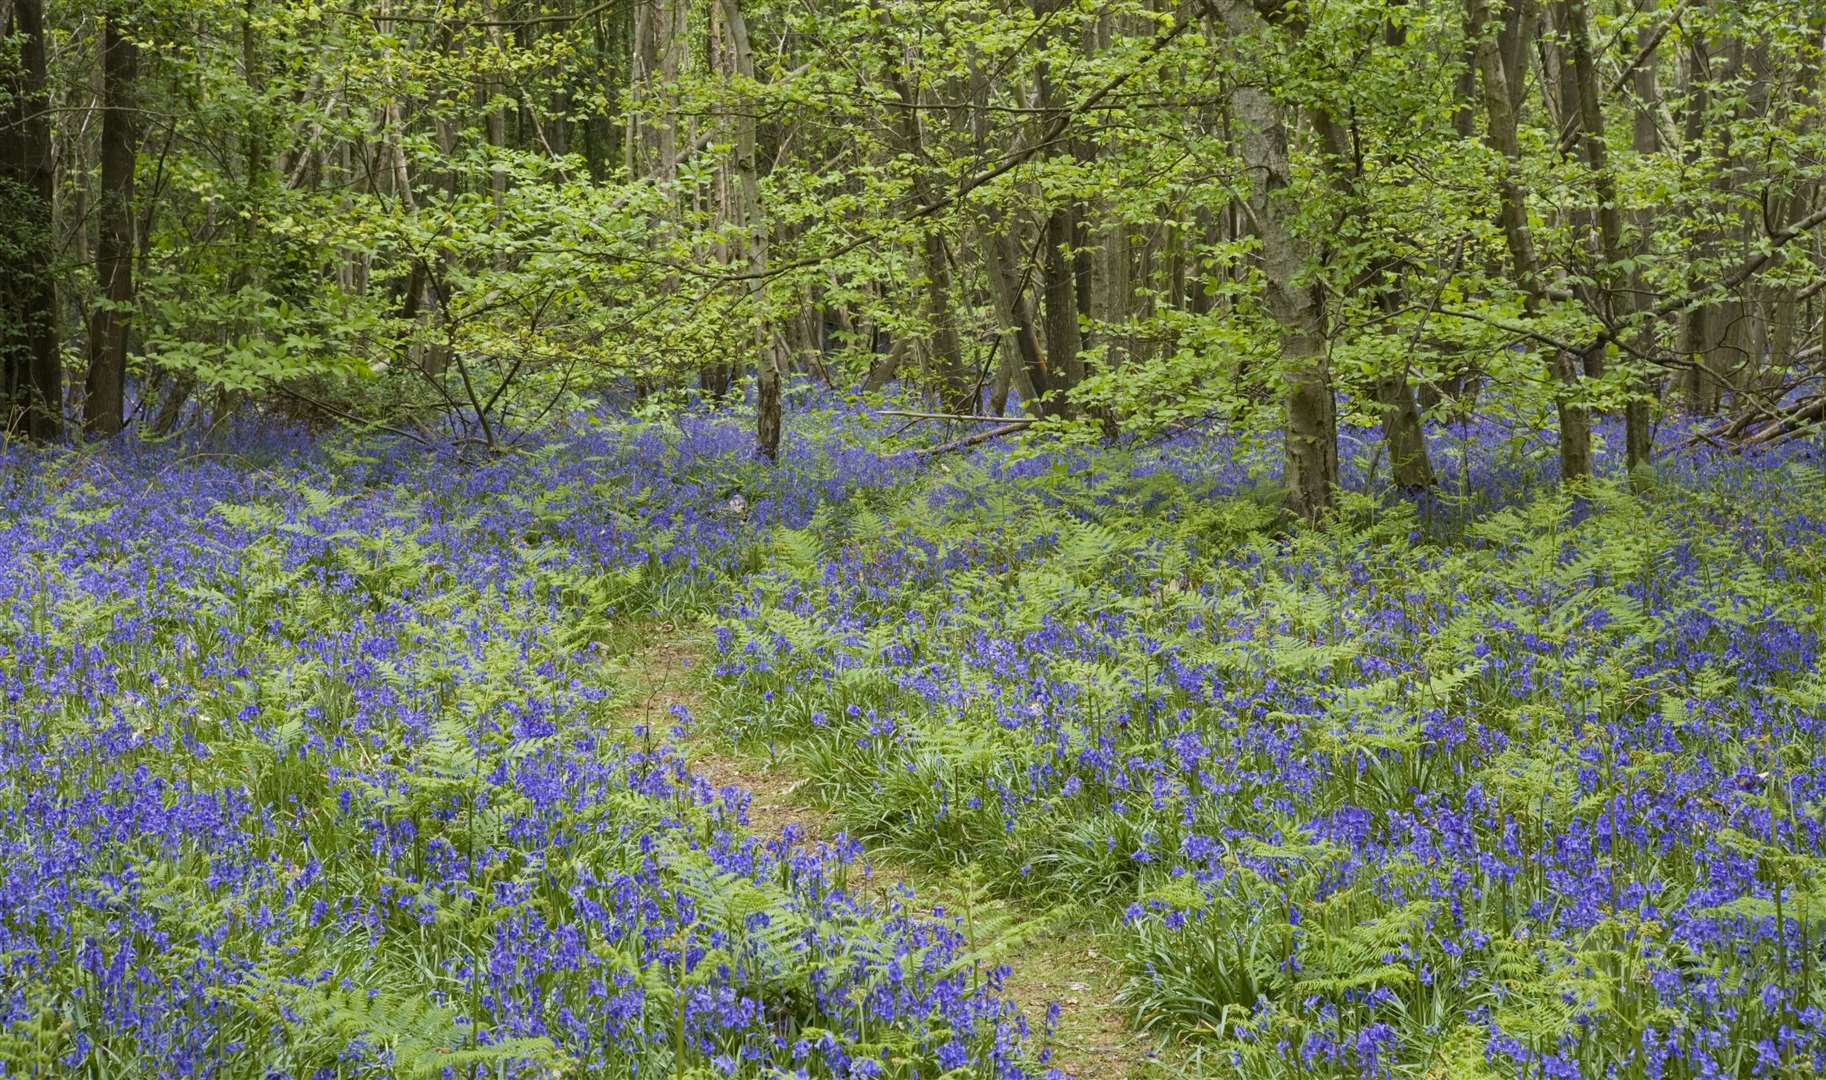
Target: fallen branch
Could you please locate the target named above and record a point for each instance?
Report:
(1796, 422)
(955, 416)
(349, 417)
(1007, 428)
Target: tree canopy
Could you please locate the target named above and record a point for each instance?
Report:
(1294, 220)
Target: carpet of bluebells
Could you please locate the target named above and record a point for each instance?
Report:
(311, 766)
(1510, 782)
(313, 762)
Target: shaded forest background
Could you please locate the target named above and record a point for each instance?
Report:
(456, 218)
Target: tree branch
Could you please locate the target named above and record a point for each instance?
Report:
(1007, 428)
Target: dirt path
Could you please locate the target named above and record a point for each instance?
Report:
(1059, 963)
(663, 673)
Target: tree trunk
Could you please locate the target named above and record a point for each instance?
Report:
(1007, 367)
(1696, 329)
(885, 368)
(1059, 292)
(1609, 217)
(752, 227)
(1059, 262)
(31, 378)
(1016, 316)
(494, 127)
(1032, 377)
(1645, 138)
(1402, 432)
(1500, 116)
(171, 405)
(104, 395)
(958, 384)
(946, 353)
(1312, 433)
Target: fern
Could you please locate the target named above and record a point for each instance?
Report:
(416, 1036)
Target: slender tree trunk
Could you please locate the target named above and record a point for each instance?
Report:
(946, 352)
(1032, 376)
(957, 382)
(1312, 432)
(1015, 314)
(494, 126)
(31, 378)
(1696, 329)
(1645, 138)
(1402, 432)
(753, 230)
(1500, 116)
(641, 143)
(1608, 216)
(1006, 368)
(1110, 300)
(1059, 293)
(886, 367)
(1059, 264)
(104, 395)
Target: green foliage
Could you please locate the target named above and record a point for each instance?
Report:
(418, 774)
(1000, 680)
(420, 1038)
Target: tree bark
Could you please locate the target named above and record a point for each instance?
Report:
(1696, 328)
(1609, 219)
(1015, 314)
(1059, 262)
(1402, 432)
(752, 227)
(1311, 445)
(1645, 139)
(1032, 376)
(1059, 292)
(31, 378)
(1500, 117)
(104, 395)
(958, 388)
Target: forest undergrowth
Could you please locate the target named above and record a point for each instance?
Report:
(631, 755)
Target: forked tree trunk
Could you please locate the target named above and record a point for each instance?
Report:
(752, 228)
(1034, 377)
(1402, 432)
(1609, 217)
(1312, 423)
(1500, 117)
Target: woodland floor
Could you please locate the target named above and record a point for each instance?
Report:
(663, 665)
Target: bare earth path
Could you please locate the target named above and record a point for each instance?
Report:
(1059, 963)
